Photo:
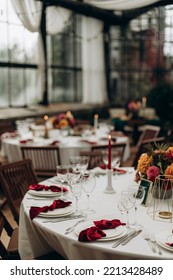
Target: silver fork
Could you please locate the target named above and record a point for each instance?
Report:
(147, 238)
(71, 228)
(153, 240)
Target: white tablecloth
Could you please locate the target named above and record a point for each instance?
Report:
(36, 237)
(70, 145)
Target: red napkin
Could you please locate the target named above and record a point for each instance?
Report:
(24, 141)
(96, 232)
(54, 143)
(38, 187)
(108, 224)
(103, 166)
(91, 234)
(34, 211)
(169, 244)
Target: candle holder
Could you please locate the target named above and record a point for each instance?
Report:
(109, 188)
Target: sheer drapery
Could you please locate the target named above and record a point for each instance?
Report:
(94, 81)
(120, 4)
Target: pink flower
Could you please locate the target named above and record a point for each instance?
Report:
(152, 173)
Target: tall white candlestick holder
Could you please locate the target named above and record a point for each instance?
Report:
(109, 188)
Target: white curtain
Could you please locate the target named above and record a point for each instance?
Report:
(94, 81)
(120, 4)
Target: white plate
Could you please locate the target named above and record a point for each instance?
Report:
(162, 239)
(59, 212)
(111, 234)
(44, 193)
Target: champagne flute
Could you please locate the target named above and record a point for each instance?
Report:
(136, 196)
(81, 162)
(61, 172)
(88, 185)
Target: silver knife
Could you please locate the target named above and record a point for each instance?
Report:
(131, 237)
(119, 241)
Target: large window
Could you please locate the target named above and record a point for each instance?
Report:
(19, 62)
(140, 53)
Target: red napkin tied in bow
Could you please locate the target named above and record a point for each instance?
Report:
(38, 187)
(91, 234)
(34, 211)
(96, 232)
(108, 224)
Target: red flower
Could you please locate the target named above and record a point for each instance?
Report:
(152, 172)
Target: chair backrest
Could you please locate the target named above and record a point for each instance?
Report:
(143, 147)
(8, 250)
(95, 158)
(148, 132)
(44, 159)
(14, 179)
(96, 153)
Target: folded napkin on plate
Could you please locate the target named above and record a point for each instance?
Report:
(91, 234)
(108, 224)
(38, 187)
(24, 141)
(34, 211)
(103, 166)
(96, 232)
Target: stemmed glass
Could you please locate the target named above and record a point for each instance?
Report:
(81, 163)
(115, 158)
(126, 203)
(61, 172)
(74, 181)
(88, 185)
(136, 196)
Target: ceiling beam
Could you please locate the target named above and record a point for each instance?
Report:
(109, 17)
(87, 10)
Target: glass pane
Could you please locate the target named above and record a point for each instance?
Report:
(31, 90)
(17, 87)
(3, 43)
(4, 87)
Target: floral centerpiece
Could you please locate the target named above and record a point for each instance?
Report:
(156, 161)
(133, 108)
(63, 120)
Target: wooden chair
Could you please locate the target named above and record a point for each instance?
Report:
(143, 147)
(44, 159)
(96, 156)
(8, 251)
(120, 147)
(14, 179)
(148, 132)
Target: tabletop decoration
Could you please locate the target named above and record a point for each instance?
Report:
(46, 127)
(35, 211)
(38, 187)
(63, 120)
(133, 109)
(96, 117)
(108, 224)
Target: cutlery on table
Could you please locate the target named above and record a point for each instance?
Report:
(153, 240)
(147, 238)
(70, 229)
(53, 220)
(123, 238)
(131, 237)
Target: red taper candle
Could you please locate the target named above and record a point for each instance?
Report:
(109, 151)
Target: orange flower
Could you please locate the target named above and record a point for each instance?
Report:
(169, 170)
(143, 163)
(63, 123)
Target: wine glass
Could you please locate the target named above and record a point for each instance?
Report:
(81, 162)
(61, 172)
(121, 209)
(74, 181)
(88, 185)
(136, 196)
(127, 204)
